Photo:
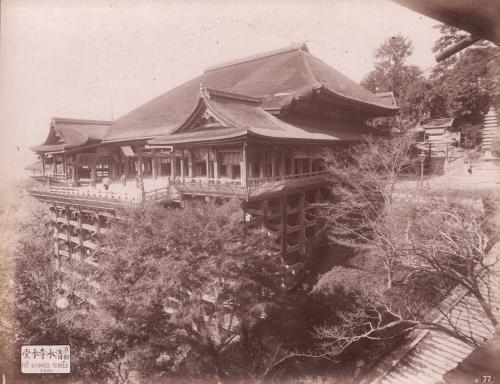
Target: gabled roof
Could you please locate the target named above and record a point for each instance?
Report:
(277, 77)
(439, 123)
(65, 134)
(221, 116)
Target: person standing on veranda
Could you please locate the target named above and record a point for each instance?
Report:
(106, 182)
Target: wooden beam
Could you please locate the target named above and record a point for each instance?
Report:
(283, 224)
(173, 161)
(207, 162)
(182, 164)
(139, 161)
(68, 229)
(301, 166)
(216, 164)
(302, 222)
(64, 165)
(243, 166)
(81, 238)
(75, 170)
(56, 238)
(154, 160)
(190, 163)
(262, 163)
(273, 163)
(282, 163)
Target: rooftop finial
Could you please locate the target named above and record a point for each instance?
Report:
(203, 91)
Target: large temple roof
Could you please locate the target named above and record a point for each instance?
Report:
(221, 116)
(65, 134)
(278, 78)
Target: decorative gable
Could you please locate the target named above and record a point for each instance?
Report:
(207, 120)
(203, 116)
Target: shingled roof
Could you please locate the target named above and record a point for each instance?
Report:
(65, 134)
(277, 77)
(234, 116)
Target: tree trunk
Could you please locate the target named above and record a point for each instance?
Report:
(389, 276)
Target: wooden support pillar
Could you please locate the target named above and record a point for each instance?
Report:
(43, 164)
(182, 164)
(309, 165)
(56, 238)
(126, 169)
(190, 163)
(302, 222)
(207, 163)
(273, 163)
(54, 164)
(211, 164)
(317, 199)
(283, 224)
(64, 166)
(93, 170)
(243, 166)
(282, 164)
(301, 167)
(75, 170)
(80, 234)
(139, 161)
(262, 164)
(292, 166)
(154, 165)
(68, 230)
(216, 164)
(173, 162)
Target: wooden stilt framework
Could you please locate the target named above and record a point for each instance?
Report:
(293, 218)
(76, 249)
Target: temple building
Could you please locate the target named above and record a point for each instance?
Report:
(252, 129)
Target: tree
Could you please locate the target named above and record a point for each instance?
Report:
(446, 242)
(419, 240)
(495, 147)
(392, 73)
(181, 284)
(462, 85)
(449, 240)
(360, 214)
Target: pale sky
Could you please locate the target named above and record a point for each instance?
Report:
(100, 59)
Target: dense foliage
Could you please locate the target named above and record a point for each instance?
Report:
(182, 284)
(461, 86)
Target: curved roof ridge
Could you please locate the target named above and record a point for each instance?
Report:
(233, 95)
(68, 120)
(362, 91)
(290, 48)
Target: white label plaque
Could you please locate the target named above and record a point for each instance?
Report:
(45, 359)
